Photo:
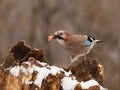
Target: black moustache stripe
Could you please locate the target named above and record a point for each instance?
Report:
(91, 38)
(59, 37)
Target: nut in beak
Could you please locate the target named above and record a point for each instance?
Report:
(50, 38)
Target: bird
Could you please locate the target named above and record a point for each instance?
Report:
(76, 45)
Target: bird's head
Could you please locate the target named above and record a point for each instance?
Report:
(59, 35)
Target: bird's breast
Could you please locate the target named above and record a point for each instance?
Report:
(60, 41)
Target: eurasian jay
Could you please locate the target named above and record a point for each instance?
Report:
(76, 45)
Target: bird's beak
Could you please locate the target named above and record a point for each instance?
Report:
(51, 37)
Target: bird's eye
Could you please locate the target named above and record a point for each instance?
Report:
(61, 33)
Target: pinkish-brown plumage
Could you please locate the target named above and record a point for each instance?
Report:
(75, 44)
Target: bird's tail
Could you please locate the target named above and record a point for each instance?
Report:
(100, 41)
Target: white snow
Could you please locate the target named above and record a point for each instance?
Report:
(87, 84)
(23, 70)
(54, 70)
(45, 72)
(28, 82)
(15, 71)
(68, 83)
(28, 63)
(68, 73)
(42, 63)
(42, 74)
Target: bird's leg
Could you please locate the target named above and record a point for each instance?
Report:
(70, 64)
(71, 61)
(85, 58)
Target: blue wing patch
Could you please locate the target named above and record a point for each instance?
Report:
(87, 43)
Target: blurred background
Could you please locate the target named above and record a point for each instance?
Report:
(34, 20)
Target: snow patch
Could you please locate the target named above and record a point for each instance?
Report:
(90, 83)
(23, 70)
(54, 70)
(68, 83)
(15, 71)
(87, 84)
(28, 63)
(42, 63)
(43, 71)
(41, 76)
(28, 82)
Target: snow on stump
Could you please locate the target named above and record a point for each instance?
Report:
(26, 69)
